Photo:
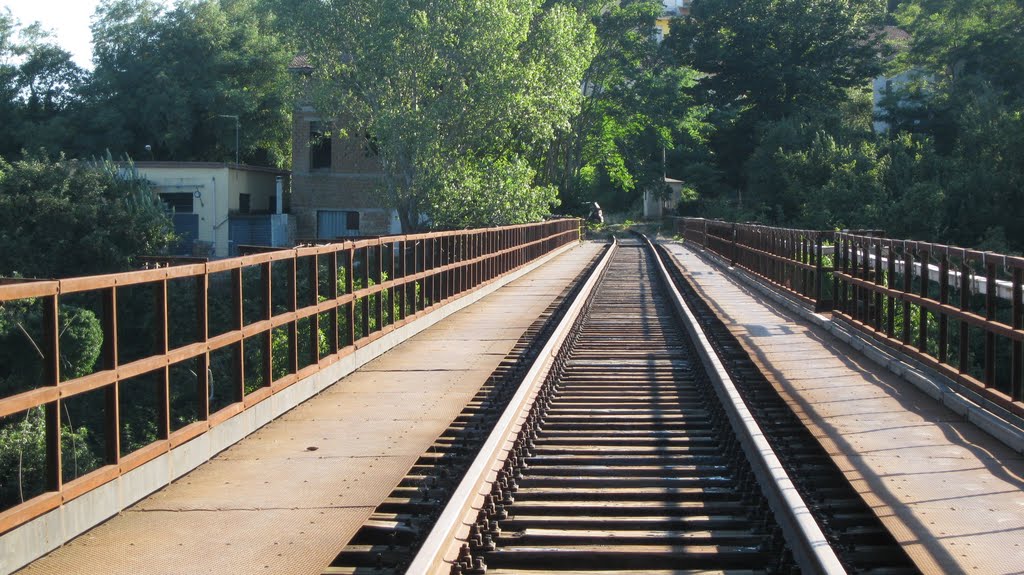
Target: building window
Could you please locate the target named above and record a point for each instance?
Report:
(332, 224)
(178, 202)
(243, 203)
(319, 147)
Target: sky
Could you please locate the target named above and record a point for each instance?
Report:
(68, 19)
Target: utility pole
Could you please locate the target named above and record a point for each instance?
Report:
(236, 132)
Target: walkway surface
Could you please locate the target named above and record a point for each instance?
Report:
(951, 494)
(287, 499)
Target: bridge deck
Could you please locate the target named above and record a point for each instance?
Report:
(951, 494)
(289, 497)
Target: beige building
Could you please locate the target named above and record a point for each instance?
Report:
(336, 181)
(217, 207)
(661, 203)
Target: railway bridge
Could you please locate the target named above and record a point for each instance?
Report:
(718, 397)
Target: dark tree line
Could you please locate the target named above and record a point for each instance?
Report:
(792, 141)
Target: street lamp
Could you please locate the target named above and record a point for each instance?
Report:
(236, 132)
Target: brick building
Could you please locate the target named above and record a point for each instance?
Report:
(336, 182)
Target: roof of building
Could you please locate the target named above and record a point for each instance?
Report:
(300, 63)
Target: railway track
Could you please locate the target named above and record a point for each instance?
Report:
(623, 459)
(631, 445)
(390, 538)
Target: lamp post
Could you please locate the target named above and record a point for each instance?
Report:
(236, 132)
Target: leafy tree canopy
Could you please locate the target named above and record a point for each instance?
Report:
(635, 108)
(459, 97)
(69, 218)
(167, 78)
(774, 57)
(39, 89)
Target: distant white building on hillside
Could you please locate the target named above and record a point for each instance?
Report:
(884, 86)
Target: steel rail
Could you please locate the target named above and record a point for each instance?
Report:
(811, 549)
(442, 544)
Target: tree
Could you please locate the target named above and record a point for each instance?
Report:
(67, 218)
(458, 97)
(957, 39)
(775, 57)
(764, 60)
(39, 90)
(166, 78)
(968, 102)
(635, 107)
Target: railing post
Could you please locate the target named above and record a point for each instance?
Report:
(1017, 309)
(990, 315)
(908, 278)
(944, 300)
(314, 320)
(51, 329)
(735, 249)
(879, 280)
(840, 259)
(922, 313)
(332, 294)
(890, 325)
(293, 306)
(819, 274)
(965, 304)
(163, 387)
(112, 405)
(379, 311)
(266, 313)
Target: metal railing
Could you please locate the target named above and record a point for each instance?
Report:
(958, 311)
(797, 261)
(183, 349)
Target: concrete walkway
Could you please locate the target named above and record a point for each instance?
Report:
(951, 494)
(287, 499)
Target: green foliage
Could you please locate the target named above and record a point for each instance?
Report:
(23, 455)
(163, 78)
(763, 61)
(959, 40)
(66, 218)
(635, 109)
(771, 58)
(492, 191)
(458, 98)
(40, 90)
(948, 170)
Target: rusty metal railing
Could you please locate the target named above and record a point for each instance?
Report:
(203, 342)
(797, 261)
(958, 311)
